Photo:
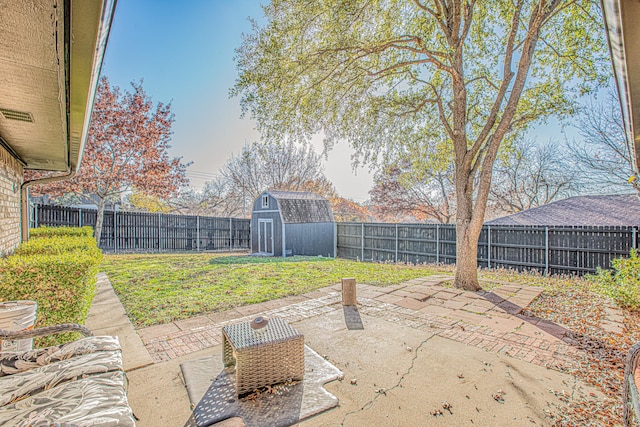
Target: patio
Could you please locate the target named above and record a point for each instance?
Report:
(422, 345)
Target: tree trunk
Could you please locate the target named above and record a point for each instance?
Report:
(467, 256)
(97, 232)
(467, 234)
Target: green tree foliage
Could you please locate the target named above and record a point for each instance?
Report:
(386, 74)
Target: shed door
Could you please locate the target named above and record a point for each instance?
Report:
(265, 236)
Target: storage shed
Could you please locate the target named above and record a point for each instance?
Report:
(287, 223)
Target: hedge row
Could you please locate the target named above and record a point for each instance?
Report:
(58, 270)
(46, 232)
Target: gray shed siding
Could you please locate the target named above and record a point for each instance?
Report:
(269, 213)
(302, 221)
(310, 239)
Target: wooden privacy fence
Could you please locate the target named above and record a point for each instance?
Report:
(549, 250)
(151, 232)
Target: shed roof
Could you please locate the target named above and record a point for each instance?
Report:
(605, 210)
(297, 207)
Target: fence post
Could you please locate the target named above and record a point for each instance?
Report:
(230, 234)
(437, 243)
(79, 217)
(489, 247)
(115, 232)
(35, 216)
(335, 240)
(362, 241)
(396, 242)
(197, 233)
(546, 251)
(159, 232)
(634, 237)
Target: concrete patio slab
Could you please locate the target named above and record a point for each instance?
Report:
(403, 375)
(157, 394)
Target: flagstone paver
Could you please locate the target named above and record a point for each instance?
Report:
(487, 320)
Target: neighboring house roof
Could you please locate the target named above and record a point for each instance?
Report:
(608, 210)
(302, 207)
(50, 59)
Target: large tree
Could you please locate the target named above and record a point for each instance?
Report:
(218, 197)
(531, 175)
(127, 147)
(602, 155)
(276, 166)
(384, 74)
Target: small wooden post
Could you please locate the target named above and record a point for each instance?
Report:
(349, 291)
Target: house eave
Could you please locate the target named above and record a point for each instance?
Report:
(623, 33)
(50, 60)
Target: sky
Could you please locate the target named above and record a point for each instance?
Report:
(184, 53)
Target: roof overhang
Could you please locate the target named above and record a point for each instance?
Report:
(51, 53)
(622, 18)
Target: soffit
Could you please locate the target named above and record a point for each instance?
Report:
(50, 58)
(32, 80)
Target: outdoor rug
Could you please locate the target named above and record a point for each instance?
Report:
(211, 389)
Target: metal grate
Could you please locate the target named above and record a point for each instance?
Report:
(20, 116)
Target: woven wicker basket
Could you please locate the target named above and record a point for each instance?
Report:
(265, 356)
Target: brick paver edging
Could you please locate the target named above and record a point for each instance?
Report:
(390, 303)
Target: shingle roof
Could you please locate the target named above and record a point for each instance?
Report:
(302, 207)
(606, 210)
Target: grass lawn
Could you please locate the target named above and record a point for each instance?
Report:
(159, 288)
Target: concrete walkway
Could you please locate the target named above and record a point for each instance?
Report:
(107, 317)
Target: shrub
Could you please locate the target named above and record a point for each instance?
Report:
(36, 233)
(57, 272)
(59, 245)
(622, 284)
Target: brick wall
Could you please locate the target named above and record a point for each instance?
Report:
(10, 181)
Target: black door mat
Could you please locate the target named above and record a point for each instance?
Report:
(211, 389)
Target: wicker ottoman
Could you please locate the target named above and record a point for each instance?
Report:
(265, 356)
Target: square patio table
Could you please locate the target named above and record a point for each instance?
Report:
(262, 357)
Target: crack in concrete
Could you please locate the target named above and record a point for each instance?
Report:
(370, 403)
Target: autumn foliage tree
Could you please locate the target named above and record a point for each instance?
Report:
(127, 148)
(345, 210)
(400, 190)
(385, 75)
